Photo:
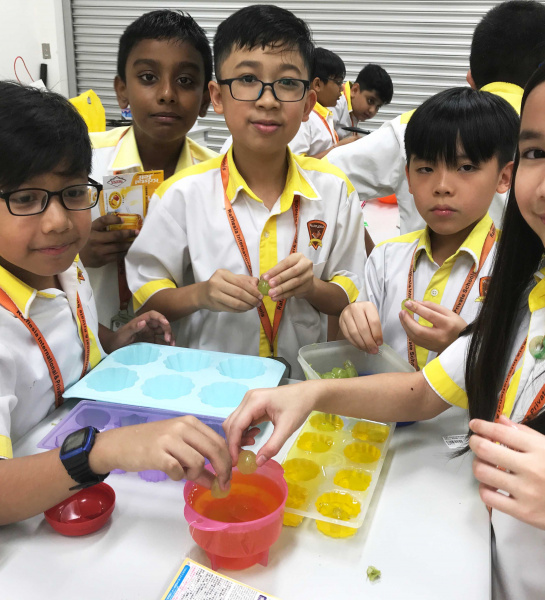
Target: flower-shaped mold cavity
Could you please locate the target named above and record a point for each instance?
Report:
(167, 387)
(152, 475)
(338, 505)
(222, 394)
(137, 354)
(314, 442)
(94, 417)
(357, 480)
(131, 420)
(111, 380)
(297, 498)
(361, 452)
(370, 432)
(300, 469)
(241, 368)
(188, 362)
(335, 531)
(325, 422)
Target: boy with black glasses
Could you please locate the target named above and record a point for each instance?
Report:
(256, 212)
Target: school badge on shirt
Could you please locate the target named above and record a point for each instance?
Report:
(316, 231)
(80, 275)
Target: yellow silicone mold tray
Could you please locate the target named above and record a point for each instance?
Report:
(332, 470)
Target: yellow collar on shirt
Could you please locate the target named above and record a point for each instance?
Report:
(536, 300)
(128, 156)
(346, 91)
(473, 244)
(296, 183)
(508, 91)
(322, 110)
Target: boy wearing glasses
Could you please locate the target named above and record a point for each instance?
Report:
(259, 211)
(49, 331)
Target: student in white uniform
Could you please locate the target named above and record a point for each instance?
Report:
(49, 332)
(362, 99)
(257, 211)
(164, 64)
(460, 145)
(497, 371)
(505, 50)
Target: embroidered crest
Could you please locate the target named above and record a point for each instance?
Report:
(316, 230)
(80, 275)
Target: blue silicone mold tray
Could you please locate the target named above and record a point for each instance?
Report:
(177, 379)
(111, 416)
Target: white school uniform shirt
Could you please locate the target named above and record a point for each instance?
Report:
(518, 553)
(115, 152)
(375, 164)
(342, 113)
(387, 272)
(317, 134)
(187, 237)
(26, 390)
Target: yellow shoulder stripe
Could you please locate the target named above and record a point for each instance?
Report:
(308, 163)
(203, 167)
(407, 238)
(406, 117)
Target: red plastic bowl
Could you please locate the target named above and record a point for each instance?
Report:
(84, 512)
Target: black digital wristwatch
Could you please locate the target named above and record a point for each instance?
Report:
(74, 455)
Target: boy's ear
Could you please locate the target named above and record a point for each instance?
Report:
(470, 80)
(408, 178)
(354, 89)
(120, 88)
(316, 84)
(504, 178)
(309, 104)
(205, 103)
(214, 92)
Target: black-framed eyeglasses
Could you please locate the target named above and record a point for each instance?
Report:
(33, 201)
(250, 89)
(339, 82)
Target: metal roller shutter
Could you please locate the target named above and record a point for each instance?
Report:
(424, 45)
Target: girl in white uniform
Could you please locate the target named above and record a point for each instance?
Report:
(498, 372)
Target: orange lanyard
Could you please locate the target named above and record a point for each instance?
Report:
(52, 366)
(539, 400)
(333, 133)
(270, 332)
(464, 292)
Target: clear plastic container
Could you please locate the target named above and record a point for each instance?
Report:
(321, 358)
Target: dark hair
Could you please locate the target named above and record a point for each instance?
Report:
(39, 130)
(328, 64)
(263, 25)
(374, 78)
(484, 124)
(165, 25)
(509, 43)
(519, 255)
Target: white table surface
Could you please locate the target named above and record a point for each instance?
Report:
(426, 530)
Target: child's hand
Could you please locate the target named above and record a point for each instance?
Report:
(520, 454)
(447, 325)
(293, 276)
(360, 325)
(150, 326)
(227, 292)
(105, 246)
(178, 447)
(286, 407)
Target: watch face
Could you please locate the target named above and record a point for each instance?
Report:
(75, 440)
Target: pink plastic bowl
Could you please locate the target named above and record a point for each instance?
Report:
(239, 545)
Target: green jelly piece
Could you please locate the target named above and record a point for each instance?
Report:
(403, 307)
(373, 573)
(350, 368)
(339, 373)
(328, 375)
(537, 349)
(263, 287)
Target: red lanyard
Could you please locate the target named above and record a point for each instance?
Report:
(464, 292)
(333, 133)
(539, 400)
(52, 366)
(270, 332)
